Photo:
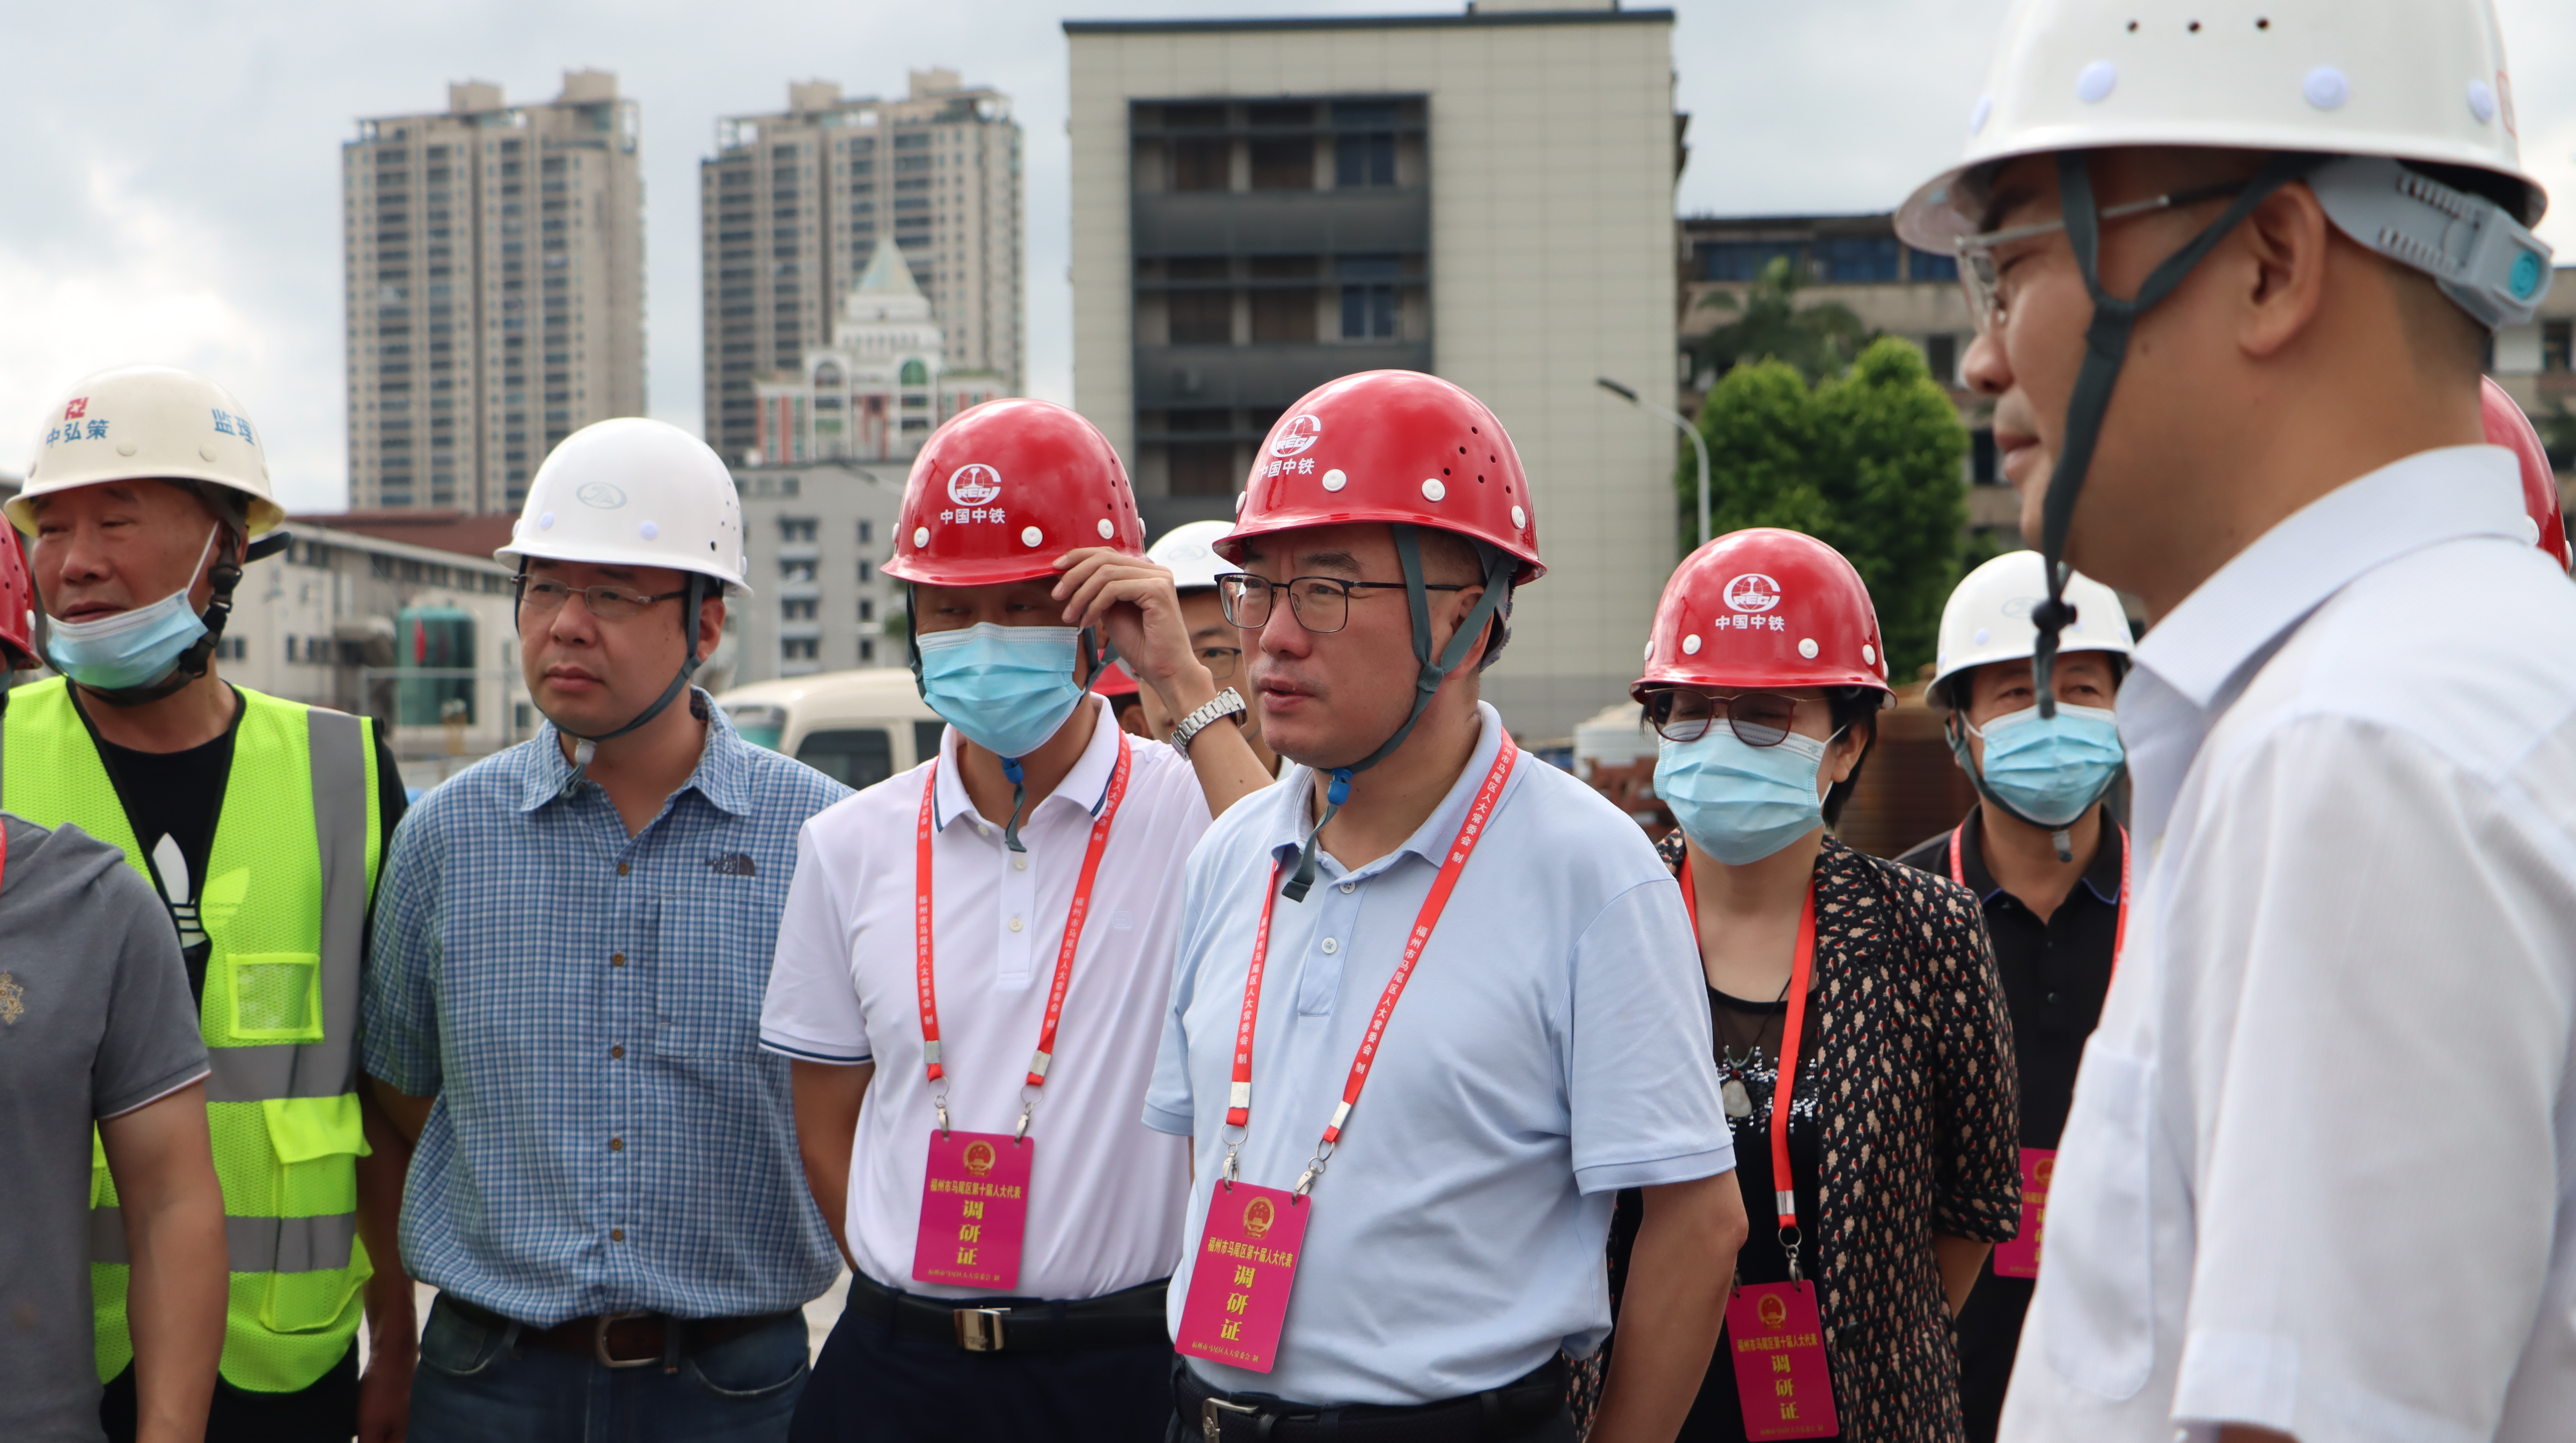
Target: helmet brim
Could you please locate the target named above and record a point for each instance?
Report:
(1231, 548)
(516, 557)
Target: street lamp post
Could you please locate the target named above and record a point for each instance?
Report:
(1697, 444)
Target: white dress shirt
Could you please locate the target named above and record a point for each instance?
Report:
(2320, 1176)
(1105, 1192)
(1551, 1048)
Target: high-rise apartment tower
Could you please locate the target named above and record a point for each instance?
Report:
(495, 279)
(792, 206)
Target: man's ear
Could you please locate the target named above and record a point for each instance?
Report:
(2285, 245)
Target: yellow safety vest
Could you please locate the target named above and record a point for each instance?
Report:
(284, 902)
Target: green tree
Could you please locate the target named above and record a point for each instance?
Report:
(1819, 340)
(1867, 462)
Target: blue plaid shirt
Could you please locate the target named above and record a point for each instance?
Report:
(585, 1006)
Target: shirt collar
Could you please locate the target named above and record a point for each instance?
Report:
(2101, 876)
(722, 775)
(1086, 786)
(1430, 841)
(2232, 619)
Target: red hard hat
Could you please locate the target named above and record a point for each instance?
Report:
(1764, 608)
(1113, 681)
(2508, 427)
(17, 605)
(1391, 446)
(1004, 489)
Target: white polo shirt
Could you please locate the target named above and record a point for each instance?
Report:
(1104, 1192)
(1551, 1048)
(2320, 1175)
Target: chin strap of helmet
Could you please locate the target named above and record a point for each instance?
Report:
(223, 577)
(1427, 676)
(587, 747)
(2106, 347)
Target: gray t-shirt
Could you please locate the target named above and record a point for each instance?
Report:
(95, 1021)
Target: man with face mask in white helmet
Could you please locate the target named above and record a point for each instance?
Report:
(2234, 269)
(2050, 870)
(260, 823)
(564, 1005)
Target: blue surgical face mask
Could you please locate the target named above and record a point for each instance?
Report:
(1005, 688)
(131, 647)
(2051, 769)
(1741, 803)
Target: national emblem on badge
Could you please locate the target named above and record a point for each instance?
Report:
(13, 999)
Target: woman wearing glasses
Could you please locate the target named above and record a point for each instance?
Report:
(1869, 984)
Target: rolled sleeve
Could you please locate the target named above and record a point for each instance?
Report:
(1976, 1192)
(2376, 1100)
(1641, 1077)
(398, 1018)
(811, 1011)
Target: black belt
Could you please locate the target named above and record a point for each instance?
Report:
(1019, 1325)
(1510, 1411)
(621, 1340)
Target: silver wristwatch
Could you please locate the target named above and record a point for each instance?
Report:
(1229, 702)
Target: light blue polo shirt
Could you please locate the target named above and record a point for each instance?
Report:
(1552, 1047)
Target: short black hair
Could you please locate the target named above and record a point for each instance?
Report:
(1853, 708)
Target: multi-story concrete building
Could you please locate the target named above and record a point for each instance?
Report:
(882, 385)
(1857, 262)
(495, 284)
(793, 205)
(817, 536)
(1262, 205)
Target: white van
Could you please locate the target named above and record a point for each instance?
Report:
(856, 727)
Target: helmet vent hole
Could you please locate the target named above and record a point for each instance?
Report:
(2263, 23)
(2133, 27)
(2193, 27)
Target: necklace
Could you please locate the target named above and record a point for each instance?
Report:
(1732, 1092)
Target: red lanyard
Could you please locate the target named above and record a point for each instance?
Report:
(921, 949)
(1784, 1089)
(1238, 1111)
(2119, 929)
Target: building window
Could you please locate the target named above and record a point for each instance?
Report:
(799, 648)
(1930, 266)
(1941, 353)
(1202, 318)
(1363, 160)
(1981, 456)
(867, 651)
(1201, 164)
(1368, 297)
(867, 572)
(796, 608)
(1858, 258)
(1203, 468)
(796, 570)
(867, 608)
(1283, 164)
(793, 529)
(1744, 260)
(2557, 345)
(914, 373)
(867, 533)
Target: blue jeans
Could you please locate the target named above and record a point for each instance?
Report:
(472, 1389)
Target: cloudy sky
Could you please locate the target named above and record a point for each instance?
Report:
(172, 169)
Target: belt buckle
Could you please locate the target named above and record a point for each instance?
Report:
(979, 1330)
(599, 1342)
(1212, 1413)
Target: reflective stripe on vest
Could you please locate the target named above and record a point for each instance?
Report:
(284, 900)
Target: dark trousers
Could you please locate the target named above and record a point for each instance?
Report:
(478, 1384)
(877, 1384)
(1989, 1335)
(326, 1412)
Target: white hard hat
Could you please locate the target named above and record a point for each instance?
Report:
(2409, 80)
(634, 492)
(1988, 617)
(1190, 551)
(148, 422)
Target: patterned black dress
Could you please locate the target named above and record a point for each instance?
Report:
(1909, 1071)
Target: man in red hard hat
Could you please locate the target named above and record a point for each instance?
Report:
(1008, 1225)
(1551, 1044)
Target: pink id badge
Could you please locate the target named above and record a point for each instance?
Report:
(2020, 1257)
(1778, 1343)
(1247, 1262)
(974, 1210)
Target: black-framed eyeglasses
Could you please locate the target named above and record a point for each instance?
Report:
(1980, 278)
(1220, 660)
(1758, 718)
(608, 603)
(1321, 604)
